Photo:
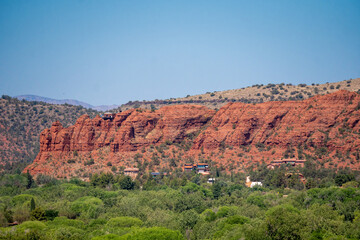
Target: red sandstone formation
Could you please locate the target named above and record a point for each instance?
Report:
(128, 131)
(330, 121)
(283, 123)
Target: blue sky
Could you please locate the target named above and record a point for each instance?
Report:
(110, 52)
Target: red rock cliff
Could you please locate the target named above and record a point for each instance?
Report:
(128, 131)
(282, 123)
(330, 121)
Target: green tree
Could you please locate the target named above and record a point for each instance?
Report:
(8, 214)
(208, 215)
(30, 180)
(340, 179)
(90, 206)
(155, 233)
(196, 179)
(153, 108)
(51, 214)
(283, 222)
(32, 204)
(122, 222)
(103, 180)
(188, 219)
(126, 183)
(38, 214)
(216, 190)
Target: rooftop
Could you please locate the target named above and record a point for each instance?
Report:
(131, 170)
(288, 160)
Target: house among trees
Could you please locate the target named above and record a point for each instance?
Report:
(131, 172)
(292, 162)
(188, 167)
(154, 174)
(251, 184)
(211, 180)
(203, 168)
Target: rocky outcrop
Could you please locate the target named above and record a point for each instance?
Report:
(330, 121)
(127, 131)
(282, 123)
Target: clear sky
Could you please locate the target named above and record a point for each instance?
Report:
(110, 52)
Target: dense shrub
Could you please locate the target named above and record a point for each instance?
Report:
(189, 208)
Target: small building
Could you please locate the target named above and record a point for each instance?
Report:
(211, 180)
(131, 172)
(188, 167)
(203, 168)
(291, 161)
(155, 174)
(251, 184)
(254, 184)
(108, 116)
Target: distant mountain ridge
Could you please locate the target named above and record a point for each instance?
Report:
(63, 101)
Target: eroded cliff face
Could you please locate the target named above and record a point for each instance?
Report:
(237, 135)
(123, 135)
(128, 131)
(283, 123)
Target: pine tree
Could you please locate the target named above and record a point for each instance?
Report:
(32, 204)
(30, 180)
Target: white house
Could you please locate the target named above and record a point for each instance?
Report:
(211, 180)
(251, 184)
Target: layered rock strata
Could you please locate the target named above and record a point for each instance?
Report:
(330, 121)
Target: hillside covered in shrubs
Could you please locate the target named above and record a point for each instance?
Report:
(21, 123)
(256, 93)
(183, 206)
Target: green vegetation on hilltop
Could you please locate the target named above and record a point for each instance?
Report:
(257, 93)
(21, 123)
